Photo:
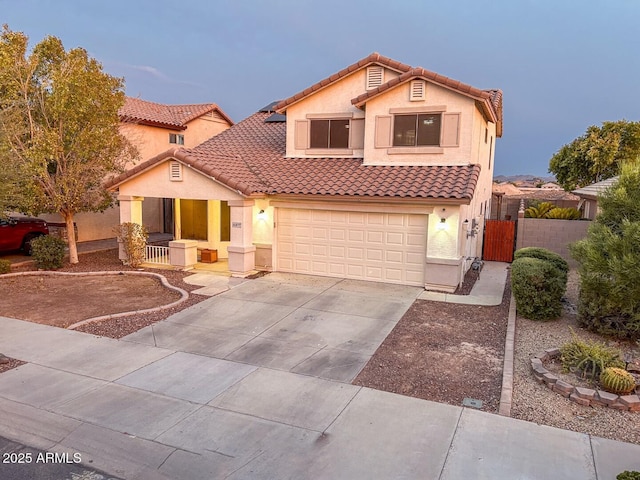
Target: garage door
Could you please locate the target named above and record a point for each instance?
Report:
(382, 247)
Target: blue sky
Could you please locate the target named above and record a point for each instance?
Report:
(562, 65)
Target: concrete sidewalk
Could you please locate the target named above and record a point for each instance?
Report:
(488, 289)
(141, 412)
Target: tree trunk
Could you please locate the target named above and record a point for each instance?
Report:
(71, 238)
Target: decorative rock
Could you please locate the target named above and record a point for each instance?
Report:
(607, 398)
(632, 402)
(553, 352)
(542, 356)
(563, 388)
(535, 362)
(618, 406)
(549, 379)
(580, 401)
(586, 393)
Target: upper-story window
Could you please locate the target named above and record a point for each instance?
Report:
(417, 130)
(176, 138)
(329, 133)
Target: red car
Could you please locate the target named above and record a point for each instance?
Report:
(17, 232)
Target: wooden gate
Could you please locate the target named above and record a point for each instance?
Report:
(499, 240)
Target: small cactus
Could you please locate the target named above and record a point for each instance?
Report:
(617, 380)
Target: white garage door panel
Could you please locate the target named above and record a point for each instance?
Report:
(382, 247)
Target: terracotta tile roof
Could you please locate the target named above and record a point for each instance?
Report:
(249, 157)
(136, 110)
(488, 101)
(365, 62)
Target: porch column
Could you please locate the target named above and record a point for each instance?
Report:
(242, 252)
(130, 212)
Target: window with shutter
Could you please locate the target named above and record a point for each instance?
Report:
(375, 76)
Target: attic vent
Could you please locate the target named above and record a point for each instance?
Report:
(417, 90)
(175, 171)
(375, 76)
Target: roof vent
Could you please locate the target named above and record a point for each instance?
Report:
(175, 171)
(375, 76)
(417, 90)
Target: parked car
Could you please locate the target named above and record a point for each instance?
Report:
(17, 232)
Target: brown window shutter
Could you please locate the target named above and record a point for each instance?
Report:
(450, 130)
(357, 133)
(302, 135)
(383, 131)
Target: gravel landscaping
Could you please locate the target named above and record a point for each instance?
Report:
(536, 403)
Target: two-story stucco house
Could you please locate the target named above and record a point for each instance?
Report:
(153, 128)
(379, 172)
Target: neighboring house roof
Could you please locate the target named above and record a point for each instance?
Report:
(592, 191)
(176, 117)
(374, 58)
(250, 158)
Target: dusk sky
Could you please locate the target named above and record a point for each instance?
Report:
(562, 65)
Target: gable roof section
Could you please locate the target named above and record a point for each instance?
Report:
(250, 158)
(488, 101)
(374, 58)
(176, 117)
(592, 191)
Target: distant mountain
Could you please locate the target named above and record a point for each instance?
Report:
(523, 178)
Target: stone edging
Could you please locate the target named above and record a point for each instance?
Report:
(506, 393)
(579, 395)
(183, 293)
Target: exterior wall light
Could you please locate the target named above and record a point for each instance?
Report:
(442, 225)
(262, 215)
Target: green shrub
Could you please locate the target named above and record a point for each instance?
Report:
(609, 301)
(628, 475)
(134, 240)
(543, 254)
(538, 287)
(48, 252)
(5, 266)
(539, 210)
(589, 358)
(568, 213)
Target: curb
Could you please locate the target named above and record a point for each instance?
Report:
(506, 394)
(184, 295)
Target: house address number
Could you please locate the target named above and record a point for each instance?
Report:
(236, 224)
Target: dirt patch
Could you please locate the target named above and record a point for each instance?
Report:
(63, 300)
(149, 291)
(7, 363)
(443, 352)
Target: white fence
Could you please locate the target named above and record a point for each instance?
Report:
(156, 255)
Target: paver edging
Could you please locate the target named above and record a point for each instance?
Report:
(580, 395)
(506, 395)
(184, 295)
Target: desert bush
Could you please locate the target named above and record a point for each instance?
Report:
(628, 475)
(568, 213)
(48, 252)
(5, 266)
(543, 254)
(538, 287)
(609, 258)
(539, 210)
(134, 239)
(589, 358)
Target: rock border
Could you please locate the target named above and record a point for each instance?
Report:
(184, 295)
(580, 395)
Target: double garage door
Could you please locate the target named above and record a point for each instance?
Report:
(382, 247)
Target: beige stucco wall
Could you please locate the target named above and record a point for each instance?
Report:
(155, 182)
(435, 97)
(335, 98)
(151, 141)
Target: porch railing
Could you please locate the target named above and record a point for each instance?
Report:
(156, 255)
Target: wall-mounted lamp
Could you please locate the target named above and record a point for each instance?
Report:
(262, 215)
(442, 225)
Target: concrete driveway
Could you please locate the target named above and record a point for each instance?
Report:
(254, 384)
(317, 326)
